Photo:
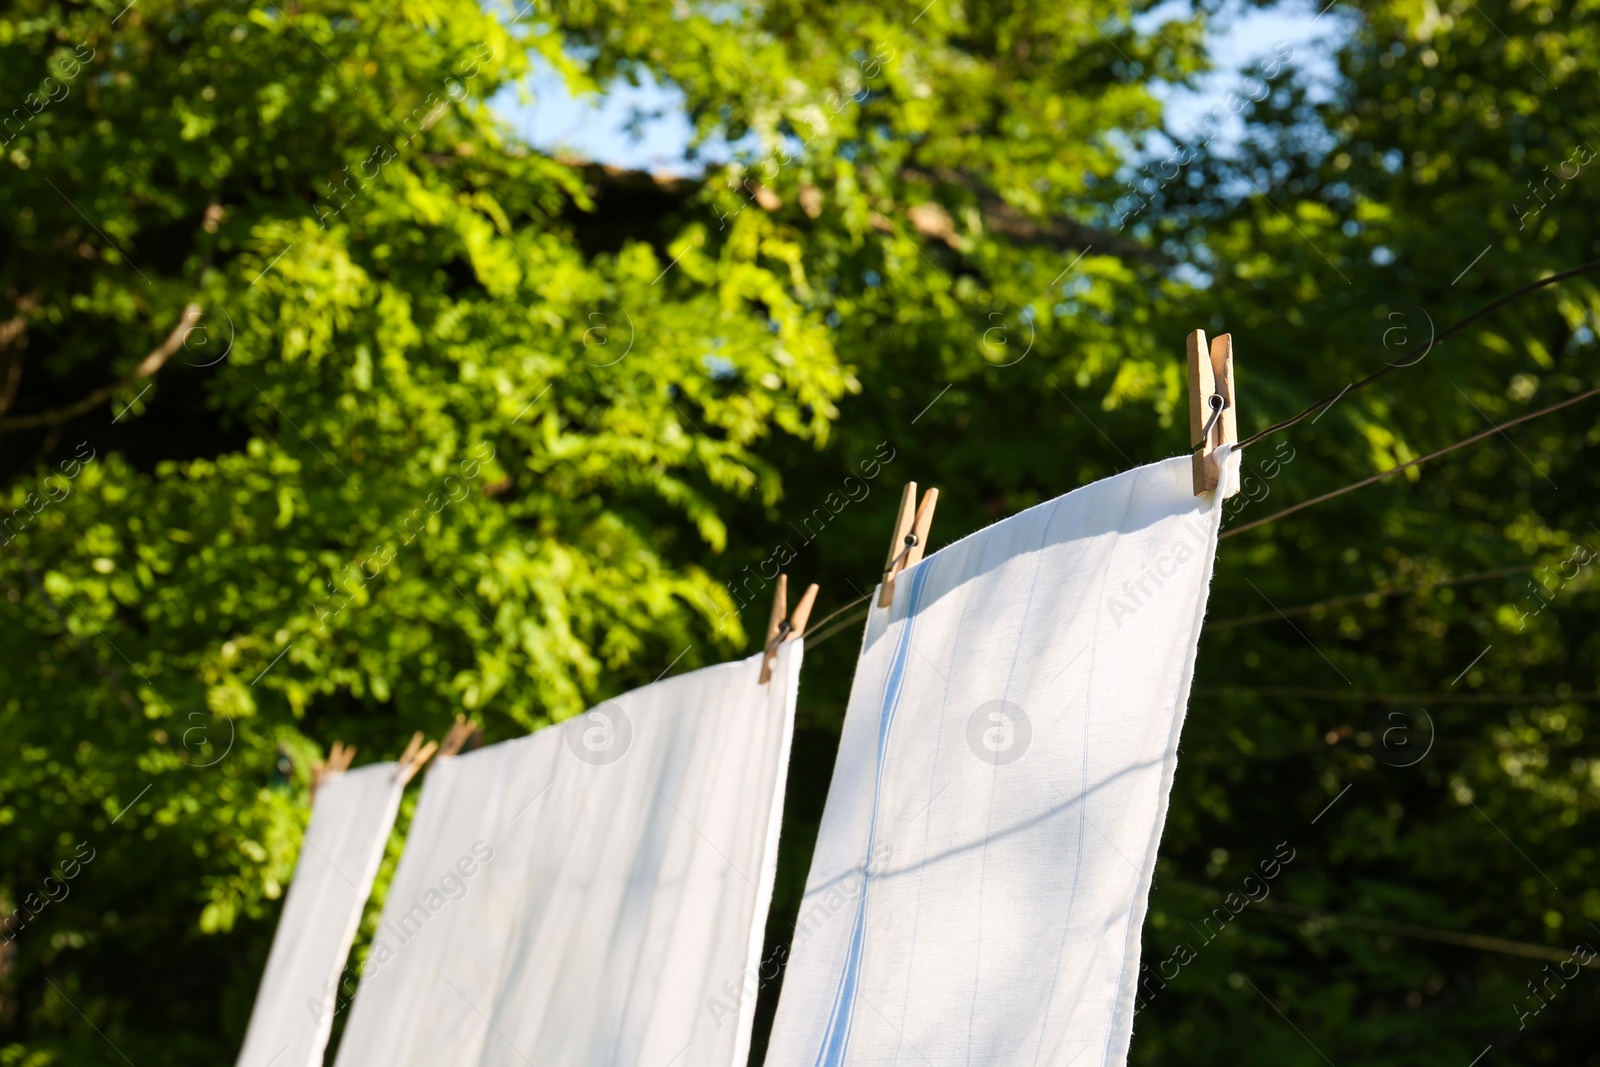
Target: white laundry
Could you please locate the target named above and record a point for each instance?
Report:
(621, 866)
(339, 858)
(984, 860)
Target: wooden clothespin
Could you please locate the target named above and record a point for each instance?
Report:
(781, 629)
(338, 761)
(1213, 419)
(415, 755)
(460, 734)
(910, 537)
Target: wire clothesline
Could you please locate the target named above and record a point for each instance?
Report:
(1438, 340)
(822, 634)
(1360, 696)
(1412, 463)
(1356, 598)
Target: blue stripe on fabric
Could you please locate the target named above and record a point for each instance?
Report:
(836, 1039)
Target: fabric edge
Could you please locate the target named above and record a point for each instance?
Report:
(368, 875)
(1120, 1040)
(791, 655)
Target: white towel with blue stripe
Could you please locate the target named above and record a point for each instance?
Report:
(984, 859)
(339, 858)
(593, 894)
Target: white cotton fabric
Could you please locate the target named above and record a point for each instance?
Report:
(339, 857)
(615, 906)
(984, 859)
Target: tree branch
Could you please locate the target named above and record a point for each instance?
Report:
(149, 365)
(13, 335)
(1058, 233)
(928, 217)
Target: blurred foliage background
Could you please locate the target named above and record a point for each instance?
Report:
(329, 408)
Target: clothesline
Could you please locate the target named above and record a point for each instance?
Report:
(1438, 340)
(1412, 463)
(1387, 926)
(1344, 695)
(823, 634)
(1352, 598)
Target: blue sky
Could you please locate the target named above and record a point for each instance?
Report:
(545, 115)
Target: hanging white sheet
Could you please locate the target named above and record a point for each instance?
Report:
(339, 858)
(985, 855)
(592, 894)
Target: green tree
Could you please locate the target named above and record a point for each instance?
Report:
(322, 422)
(501, 433)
